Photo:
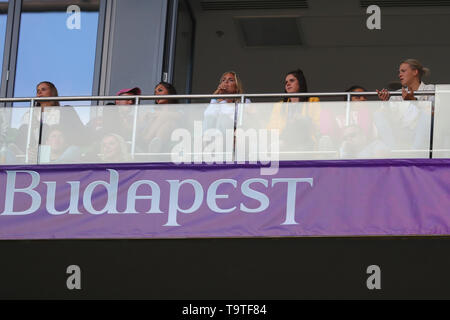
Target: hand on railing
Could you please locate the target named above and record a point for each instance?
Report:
(406, 95)
(383, 94)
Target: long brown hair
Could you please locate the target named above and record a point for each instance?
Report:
(303, 87)
(53, 90)
(170, 89)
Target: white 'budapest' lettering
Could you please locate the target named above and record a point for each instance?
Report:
(110, 190)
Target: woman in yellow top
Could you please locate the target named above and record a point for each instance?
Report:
(298, 124)
(295, 82)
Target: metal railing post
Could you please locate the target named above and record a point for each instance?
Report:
(347, 111)
(133, 137)
(238, 112)
(30, 120)
(432, 128)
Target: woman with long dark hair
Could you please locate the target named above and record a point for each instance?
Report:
(160, 122)
(296, 118)
(295, 82)
(166, 89)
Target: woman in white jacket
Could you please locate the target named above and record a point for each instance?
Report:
(220, 112)
(410, 74)
(406, 126)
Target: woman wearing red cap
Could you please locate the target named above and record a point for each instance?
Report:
(136, 91)
(119, 120)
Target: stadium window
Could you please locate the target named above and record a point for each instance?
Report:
(3, 16)
(57, 43)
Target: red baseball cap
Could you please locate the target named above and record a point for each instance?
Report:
(136, 91)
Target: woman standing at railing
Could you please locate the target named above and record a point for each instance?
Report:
(51, 115)
(67, 118)
(303, 124)
(410, 73)
(43, 89)
(46, 89)
(220, 113)
(161, 121)
(229, 83)
(406, 126)
(294, 82)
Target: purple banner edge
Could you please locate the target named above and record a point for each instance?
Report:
(312, 163)
(296, 163)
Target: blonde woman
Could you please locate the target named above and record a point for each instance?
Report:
(220, 113)
(406, 126)
(229, 83)
(113, 149)
(410, 72)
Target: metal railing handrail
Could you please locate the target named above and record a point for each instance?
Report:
(241, 96)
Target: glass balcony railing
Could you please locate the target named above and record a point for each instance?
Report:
(19, 141)
(228, 132)
(338, 130)
(441, 129)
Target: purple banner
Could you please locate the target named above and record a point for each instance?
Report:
(305, 198)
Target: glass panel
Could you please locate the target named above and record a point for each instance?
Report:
(441, 133)
(196, 133)
(333, 130)
(51, 51)
(3, 16)
(19, 145)
(65, 138)
(185, 132)
(164, 133)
